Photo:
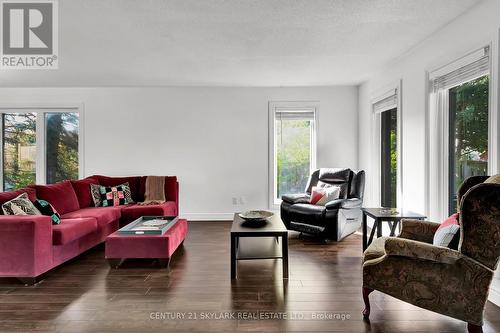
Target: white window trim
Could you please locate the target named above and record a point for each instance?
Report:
(395, 88)
(282, 105)
(40, 133)
(436, 157)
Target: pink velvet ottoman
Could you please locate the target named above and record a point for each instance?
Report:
(161, 247)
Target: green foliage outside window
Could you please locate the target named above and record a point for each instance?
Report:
(293, 155)
(468, 132)
(20, 148)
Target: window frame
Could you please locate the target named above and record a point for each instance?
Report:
(376, 151)
(438, 126)
(41, 109)
(275, 106)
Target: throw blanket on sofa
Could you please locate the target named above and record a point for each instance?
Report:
(155, 191)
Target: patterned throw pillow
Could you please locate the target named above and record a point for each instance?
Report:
(48, 210)
(112, 196)
(95, 191)
(20, 205)
(447, 234)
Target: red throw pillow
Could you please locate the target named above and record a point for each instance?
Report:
(82, 190)
(316, 194)
(448, 233)
(61, 195)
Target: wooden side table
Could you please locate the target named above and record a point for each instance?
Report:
(392, 216)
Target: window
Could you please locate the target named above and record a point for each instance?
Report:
(389, 158)
(293, 150)
(468, 134)
(61, 146)
(458, 129)
(19, 150)
(387, 147)
(39, 146)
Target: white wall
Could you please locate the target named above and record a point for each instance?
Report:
(475, 29)
(214, 139)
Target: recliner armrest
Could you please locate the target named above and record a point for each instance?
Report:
(296, 198)
(344, 203)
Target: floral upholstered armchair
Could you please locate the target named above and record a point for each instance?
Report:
(451, 282)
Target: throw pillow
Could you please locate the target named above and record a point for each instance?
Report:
(448, 234)
(95, 191)
(316, 194)
(82, 190)
(323, 184)
(48, 210)
(112, 196)
(331, 193)
(322, 195)
(20, 205)
(493, 179)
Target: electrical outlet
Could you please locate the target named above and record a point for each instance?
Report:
(242, 200)
(235, 201)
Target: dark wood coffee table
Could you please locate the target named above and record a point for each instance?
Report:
(260, 241)
(384, 215)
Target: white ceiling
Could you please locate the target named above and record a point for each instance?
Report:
(233, 42)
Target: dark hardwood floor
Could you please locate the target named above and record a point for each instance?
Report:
(85, 295)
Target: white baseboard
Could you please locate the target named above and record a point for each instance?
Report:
(208, 216)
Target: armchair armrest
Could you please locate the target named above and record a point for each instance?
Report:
(344, 203)
(296, 198)
(422, 231)
(25, 245)
(418, 250)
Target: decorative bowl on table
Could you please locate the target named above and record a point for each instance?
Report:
(255, 215)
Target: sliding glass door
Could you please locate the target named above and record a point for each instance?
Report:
(468, 134)
(389, 158)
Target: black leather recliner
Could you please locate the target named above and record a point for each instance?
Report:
(338, 218)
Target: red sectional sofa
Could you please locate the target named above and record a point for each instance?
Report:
(31, 245)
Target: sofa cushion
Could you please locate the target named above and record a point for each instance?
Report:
(170, 188)
(82, 190)
(97, 191)
(6, 196)
(103, 215)
(133, 212)
(70, 229)
(112, 195)
(60, 195)
(133, 181)
(448, 234)
(48, 210)
(20, 205)
(322, 195)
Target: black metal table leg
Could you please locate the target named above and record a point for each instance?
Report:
(379, 227)
(233, 257)
(284, 253)
(365, 231)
